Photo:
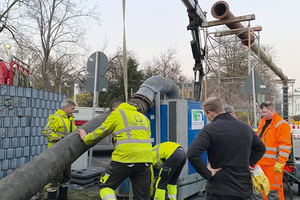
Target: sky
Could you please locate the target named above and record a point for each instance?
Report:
(153, 27)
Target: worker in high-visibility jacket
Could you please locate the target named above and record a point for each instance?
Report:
(170, 158)
(59, 126)
(275, 133)
(132, 155)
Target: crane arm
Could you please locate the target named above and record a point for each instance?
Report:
(196, 17)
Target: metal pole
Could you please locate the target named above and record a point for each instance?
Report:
(193, 98)
(253, 80)
(293, 101)
(182, 90)
(249, 110)
(219, 58)
(94, 103)
(157, 120)
(205, 58)
(254, 100)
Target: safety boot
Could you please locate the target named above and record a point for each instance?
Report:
(51, 195)
(63, 193)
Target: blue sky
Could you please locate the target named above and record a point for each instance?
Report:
(154, 26)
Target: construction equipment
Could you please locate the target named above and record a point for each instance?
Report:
(196, 18)
(16, 73)
(220, 10)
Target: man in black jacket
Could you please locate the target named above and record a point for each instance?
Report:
(232, 147)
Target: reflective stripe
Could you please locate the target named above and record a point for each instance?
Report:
(154, 149)
(109, 197)
(133, 141)
(271, 149)
(48, 133)
(107, 194)
(285, 147)
(275, 185)
(125, 121)
(280, 122)
(128, 129)
(269, 156)
(258, 133)
(103, 131)
(51, 122)
(95, 135)
(171, 196)
(172, 191)
(65, 126)
(284, 154)
(157, 156)
(48, 130)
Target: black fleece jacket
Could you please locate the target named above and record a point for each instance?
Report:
(232, 145)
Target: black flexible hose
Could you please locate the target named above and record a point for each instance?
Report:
(292, 176)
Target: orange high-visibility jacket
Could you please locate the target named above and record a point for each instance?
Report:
(277, 139)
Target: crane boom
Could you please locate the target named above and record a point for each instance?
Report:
(196, 17)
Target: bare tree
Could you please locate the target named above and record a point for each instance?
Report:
(55, 31)
(9, 16)
(165, 65)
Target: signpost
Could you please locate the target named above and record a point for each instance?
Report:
(97, 66)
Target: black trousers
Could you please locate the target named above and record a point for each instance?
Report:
(171, 168)
(139, 174)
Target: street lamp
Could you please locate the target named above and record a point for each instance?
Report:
(7, 46)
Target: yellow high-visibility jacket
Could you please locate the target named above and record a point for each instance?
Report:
(58, 126)
(162, 152)
(131, 135)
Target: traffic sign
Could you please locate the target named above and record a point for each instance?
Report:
(102, 64)
(259, 84)
(102, 83)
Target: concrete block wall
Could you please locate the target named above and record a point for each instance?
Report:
(23, 114)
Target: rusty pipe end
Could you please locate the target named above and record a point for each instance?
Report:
(220, 10)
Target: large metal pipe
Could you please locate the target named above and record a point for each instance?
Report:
(29, 179)
(220, 10)
(144, 97)
(268, 61)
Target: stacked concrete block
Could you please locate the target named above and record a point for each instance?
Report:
(23, 114)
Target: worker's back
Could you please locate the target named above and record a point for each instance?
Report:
(230, 149)
(131, 135)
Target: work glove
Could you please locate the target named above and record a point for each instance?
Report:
(257, 187)
(278, 167)
(260, 182)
